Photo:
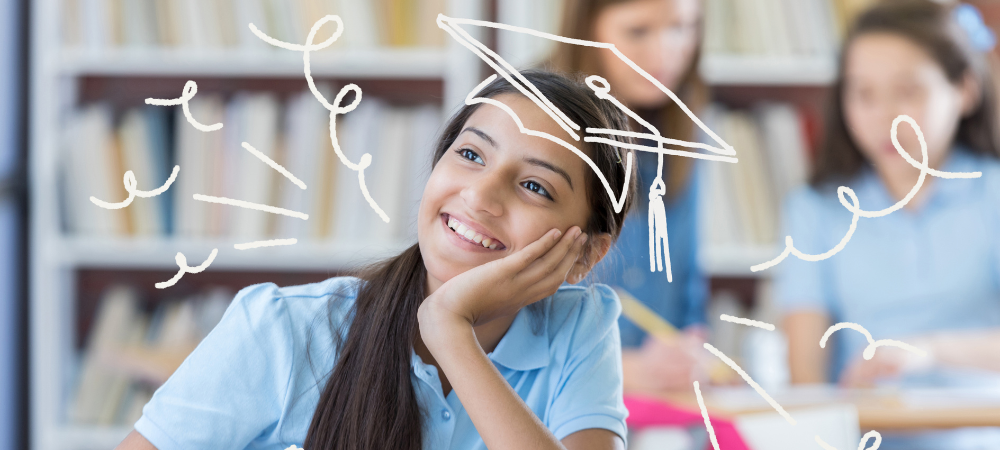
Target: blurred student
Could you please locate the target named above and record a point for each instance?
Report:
(662, 37)
(928, 274)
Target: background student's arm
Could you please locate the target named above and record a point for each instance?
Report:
(135, 441)
(807, 362)
(967, 348)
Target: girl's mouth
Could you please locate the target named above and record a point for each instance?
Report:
(465, 233)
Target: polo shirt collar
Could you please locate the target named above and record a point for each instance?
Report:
(520, 348)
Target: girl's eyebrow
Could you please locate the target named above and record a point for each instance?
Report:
(532, 161)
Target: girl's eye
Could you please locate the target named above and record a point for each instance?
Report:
(470, 155)
(536, 188)
(638, 32)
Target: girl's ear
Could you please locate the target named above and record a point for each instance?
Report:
(972, 93)
(594, 250)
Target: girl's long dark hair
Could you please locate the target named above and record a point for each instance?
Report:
(368, 402)
(930, 26)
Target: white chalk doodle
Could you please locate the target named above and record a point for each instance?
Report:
(130, 187)
(658, 243)
(190, 89)
(748, 322)
(751, 382)
(274, 165)
(872, 344)
(824, 444)
(268, 243)
(250, 205)
(855, 208)
(704, 414)
(335, 108)
(861, 446)
(184, 268)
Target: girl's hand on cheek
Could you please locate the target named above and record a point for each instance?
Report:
(503, 286)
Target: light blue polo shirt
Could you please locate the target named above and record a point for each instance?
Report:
(254, 383)
(904, 274)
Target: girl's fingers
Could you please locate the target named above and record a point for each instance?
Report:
(527, 255)
(569, 259)
(546, 263)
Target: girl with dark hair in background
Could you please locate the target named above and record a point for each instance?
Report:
(662, 37)
(465, 340)
(928, 274)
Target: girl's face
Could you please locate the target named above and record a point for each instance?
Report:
(661, 36)
(886, 75)
(498, 187)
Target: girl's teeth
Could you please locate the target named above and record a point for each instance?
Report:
(461, 229)
(452, 223)
(469, 234)
(493, 246)
(486, 242)
(477, 238)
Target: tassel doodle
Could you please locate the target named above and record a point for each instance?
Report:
(658, 245)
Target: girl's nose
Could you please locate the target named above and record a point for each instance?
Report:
(485, 195)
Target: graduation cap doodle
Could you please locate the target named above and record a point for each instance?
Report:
(659, 252)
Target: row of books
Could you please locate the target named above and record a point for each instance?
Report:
(742, 201)
(780, 28)
(294, 132)
(129, 353)
(215, 24)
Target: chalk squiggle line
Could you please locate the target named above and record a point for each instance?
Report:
(751, 382)
(861, 445)
(182, 264)
(274, 165)
(704, 413)
(130, 186)
(335, 108)
(250, 205)
(872, 344)
(190, 89)
(269, 243)
(856, 209)
(742, 321)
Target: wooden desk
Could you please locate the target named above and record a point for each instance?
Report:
(878, 409)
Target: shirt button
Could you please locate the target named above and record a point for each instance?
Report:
(445, 414)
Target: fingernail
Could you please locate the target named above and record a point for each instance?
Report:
(577, 232)
(558, 233)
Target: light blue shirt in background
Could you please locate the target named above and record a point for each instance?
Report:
(907, 273)
(250, 384)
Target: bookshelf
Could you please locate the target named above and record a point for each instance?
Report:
(70, 272)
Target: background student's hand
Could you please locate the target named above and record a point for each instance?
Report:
(665, 365)
(888, 363)
(503, 286)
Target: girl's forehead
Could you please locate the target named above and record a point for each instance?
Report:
(505, 133)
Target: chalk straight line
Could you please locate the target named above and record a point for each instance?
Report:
(704, 414)
(742, 321)
(250, 205)
(269, 243)
(751, 382)
(274, 165)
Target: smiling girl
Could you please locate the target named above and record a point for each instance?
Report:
(465, 340)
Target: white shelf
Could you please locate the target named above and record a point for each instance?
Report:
(152, 253)
(735, 260)
(407, 63)
(760, 70)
